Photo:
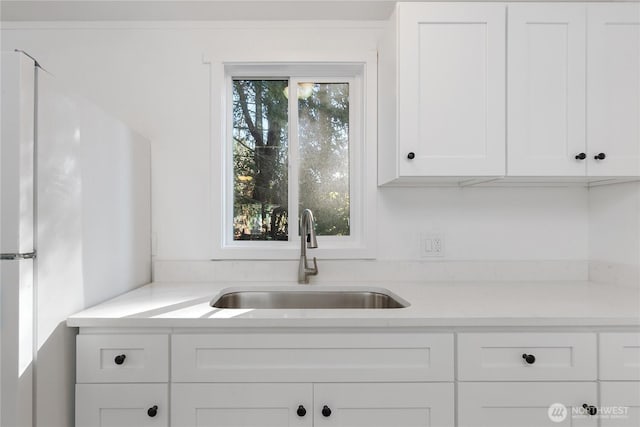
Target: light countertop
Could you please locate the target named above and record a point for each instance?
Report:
(574, 304)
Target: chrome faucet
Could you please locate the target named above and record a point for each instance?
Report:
(307, 240)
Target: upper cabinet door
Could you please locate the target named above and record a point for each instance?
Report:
(546, 90)
(613, 88)
(451, 76)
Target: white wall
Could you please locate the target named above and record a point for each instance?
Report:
(485, 223)
(151, 75)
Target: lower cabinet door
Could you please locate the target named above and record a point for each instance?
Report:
(384, 405)
(619, 404)
(534, 404)
(241, 404)
(121, 405)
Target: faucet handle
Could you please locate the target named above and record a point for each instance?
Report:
(312, 271)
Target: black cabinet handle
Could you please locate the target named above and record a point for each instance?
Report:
(581, 156)
(411, 155)
(600, 156)
(301, 411)
(529, 358)
(326, 411)
(120, 359)
(592, 410)
(153, 411)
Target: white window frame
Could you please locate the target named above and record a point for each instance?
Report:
(361, 243)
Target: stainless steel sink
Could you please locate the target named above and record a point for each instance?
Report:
(327, 298)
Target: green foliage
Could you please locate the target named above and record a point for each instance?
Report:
(260, 150)
(260, 133)
(324, 157)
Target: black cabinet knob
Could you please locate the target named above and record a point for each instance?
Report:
(120, 359)
(529, 358)
(153, 411)
(600, 156)
(411, 155)
(581, 156)
(591, 410)
(326, 411)
(301, 411)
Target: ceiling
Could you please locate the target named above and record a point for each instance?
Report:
(202, 10)
(177, 10)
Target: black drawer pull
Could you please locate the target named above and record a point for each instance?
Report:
(153, 411)
(326, 411)
(301, 411)
(529, 358)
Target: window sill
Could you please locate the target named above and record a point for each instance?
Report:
(286, 251)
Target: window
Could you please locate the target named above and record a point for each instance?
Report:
(261, 156)
(260, 159)
(295, 140)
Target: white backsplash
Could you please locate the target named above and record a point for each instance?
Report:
(371, 271)
(614, 273)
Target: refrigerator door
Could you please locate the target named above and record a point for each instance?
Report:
(61, 250)
(16, 154)
(17, 239)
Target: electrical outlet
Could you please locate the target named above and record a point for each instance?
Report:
(431, 245)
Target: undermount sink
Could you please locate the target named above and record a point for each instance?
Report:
(304, 298)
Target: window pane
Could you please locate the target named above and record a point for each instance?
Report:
(260, 144)
(323, 111)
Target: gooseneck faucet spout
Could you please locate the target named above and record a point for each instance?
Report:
(307, 240)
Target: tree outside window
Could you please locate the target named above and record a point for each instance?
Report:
(261, 157)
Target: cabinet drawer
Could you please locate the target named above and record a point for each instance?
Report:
(246, 404)
(312, 357)
(122, 405)
(526, 404)
(620, 404)
(146, 358)
(499, 356)
(620, 356)
(385, 404)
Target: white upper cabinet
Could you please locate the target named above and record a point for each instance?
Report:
(557, 95)
(442, 92)
(613, 88)
(546, 90)
(573, 90)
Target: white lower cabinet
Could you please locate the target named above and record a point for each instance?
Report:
(620, 357)
(619, 404)
(246, 404)
(122, 405)
(527, 379)
(312, 357)
(286, 404)
(401, 378)
(620, 380)
(527, 356)
(384, 405)
(531, 404)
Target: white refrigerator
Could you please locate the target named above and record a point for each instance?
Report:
(75, 230)
(18, 189)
